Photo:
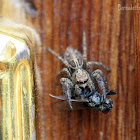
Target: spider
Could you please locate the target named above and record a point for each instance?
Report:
(80, 83)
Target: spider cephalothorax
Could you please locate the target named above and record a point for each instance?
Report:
(82, 84)
(80, 77)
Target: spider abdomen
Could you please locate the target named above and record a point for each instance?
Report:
(73, 58)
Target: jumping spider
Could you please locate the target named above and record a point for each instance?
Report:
(82, 84)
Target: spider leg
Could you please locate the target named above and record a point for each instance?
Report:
(102, 75)
(65, 70)
(99, 77)
(77, 90)
(67, 86)
(58, 56)
(84, 47)
(99, 64)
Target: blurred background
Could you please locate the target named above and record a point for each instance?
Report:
(110, 40)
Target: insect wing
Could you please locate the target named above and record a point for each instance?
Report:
(58, 97)
(63, 97)
(110, 92)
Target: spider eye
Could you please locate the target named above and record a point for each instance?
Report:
(85, 81)
(79, 82)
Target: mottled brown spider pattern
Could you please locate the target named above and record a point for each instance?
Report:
(82, 84)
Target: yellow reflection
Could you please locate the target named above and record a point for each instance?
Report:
(16, 89)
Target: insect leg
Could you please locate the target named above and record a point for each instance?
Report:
(58, 56)
(65, 70)
(98, 75)
(67, 86)
(99, 64)
(91, 93)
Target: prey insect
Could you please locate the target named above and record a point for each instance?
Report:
(82, 84)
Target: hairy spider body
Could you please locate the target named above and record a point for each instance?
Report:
(81, 80)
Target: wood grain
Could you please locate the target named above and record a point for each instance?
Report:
(137, 65)
(109, 33)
